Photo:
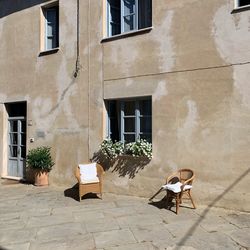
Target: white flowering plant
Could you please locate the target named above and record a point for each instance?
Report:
(112, 150)
(138, 148)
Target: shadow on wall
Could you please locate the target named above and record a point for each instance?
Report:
(8, 7)
(125, 165)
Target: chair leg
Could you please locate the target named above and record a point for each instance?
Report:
(190, 196)
(167, 199)
(177, 199)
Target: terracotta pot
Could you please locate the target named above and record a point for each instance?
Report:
(41, 178)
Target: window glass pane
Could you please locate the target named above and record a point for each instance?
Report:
(147, 137)
(114, 17)
(144, 13)
(13, 138)
(145, 125)
(129, 124)
(49, 44)
(13, 151)
(51, 16)
(23, 152)
(129, 23)
(129, 138)
(52, 27)
(145, 107)
(114, 129)
(244, 2)
(129, 108)
(129, 7)
(23, 139)
(13, 126)
(23, 126)
(115, 29)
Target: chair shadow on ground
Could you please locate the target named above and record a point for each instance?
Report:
(162, 204)
(73, 193)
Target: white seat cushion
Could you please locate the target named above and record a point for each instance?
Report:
(88, 173)
(176, 188)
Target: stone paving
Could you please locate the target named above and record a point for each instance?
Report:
(38, 218)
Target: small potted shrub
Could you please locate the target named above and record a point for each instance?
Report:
(39, 159)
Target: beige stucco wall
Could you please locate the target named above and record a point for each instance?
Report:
(191, 63)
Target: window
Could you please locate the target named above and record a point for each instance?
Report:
(128, 15)
(129, 120)
(241, 3)
(50, 27)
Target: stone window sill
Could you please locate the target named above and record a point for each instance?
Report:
(127, 34)
(240, 9)
(48, 52)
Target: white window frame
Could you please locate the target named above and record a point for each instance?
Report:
(136, 16)
(136, 20)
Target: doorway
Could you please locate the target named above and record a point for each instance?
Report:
(16, 139)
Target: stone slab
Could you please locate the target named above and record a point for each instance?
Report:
(113, 238)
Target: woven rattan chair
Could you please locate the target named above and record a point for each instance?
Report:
(91, 180)
(178, 185)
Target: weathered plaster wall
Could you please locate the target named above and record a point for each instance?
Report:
(58, 103)
(201, 116)
(200, 102)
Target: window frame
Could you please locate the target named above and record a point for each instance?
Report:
(121, 118)
(44, 49)
(137, 29)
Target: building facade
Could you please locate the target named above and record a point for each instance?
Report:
(180, 69)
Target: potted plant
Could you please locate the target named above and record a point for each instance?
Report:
(39, 159)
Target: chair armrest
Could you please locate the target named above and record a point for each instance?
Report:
(77, 175)
(169, 178)
(188, 181)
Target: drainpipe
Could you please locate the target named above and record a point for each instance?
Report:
(77, 67)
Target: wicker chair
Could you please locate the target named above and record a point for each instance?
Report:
(179, 184)
(89, 185)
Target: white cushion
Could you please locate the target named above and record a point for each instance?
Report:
(88, 173)
(176, 188)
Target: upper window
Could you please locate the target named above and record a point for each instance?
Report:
(129, 120)
(50, 24)
(128, 15)
(241, 3)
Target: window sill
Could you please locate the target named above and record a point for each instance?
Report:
(48, 52)
(239, 9)
(127, 34)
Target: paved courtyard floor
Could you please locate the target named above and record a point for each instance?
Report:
(51, 218)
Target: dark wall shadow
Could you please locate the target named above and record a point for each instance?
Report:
(8, 7)
(125, 165)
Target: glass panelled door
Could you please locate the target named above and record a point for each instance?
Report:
(17, 146)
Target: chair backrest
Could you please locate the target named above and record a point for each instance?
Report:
(186, 174)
